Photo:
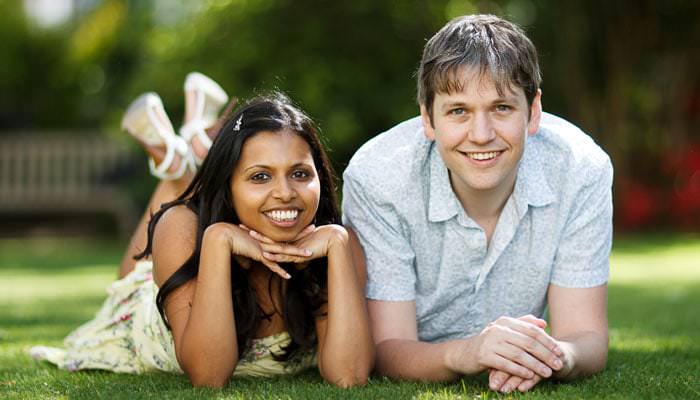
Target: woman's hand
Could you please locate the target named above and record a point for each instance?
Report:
(246, 248)
(314, 242)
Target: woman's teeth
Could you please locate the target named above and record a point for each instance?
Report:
(283, 215)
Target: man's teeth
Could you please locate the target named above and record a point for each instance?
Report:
(283, 215)
(483, 156)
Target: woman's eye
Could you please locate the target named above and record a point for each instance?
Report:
(300, 174)
(259, 177)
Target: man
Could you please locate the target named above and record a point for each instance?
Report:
(477, 215)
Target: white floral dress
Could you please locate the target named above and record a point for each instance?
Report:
(128, 335)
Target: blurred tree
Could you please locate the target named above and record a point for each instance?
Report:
(622, 70)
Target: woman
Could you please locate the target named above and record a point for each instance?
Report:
(251, 272)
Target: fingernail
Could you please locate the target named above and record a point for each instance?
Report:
(495, 384)
(558, 363)
(545, 372)
(287, 276)
(506, 389)
(308, 252)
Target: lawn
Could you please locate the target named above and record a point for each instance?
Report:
(48, 287)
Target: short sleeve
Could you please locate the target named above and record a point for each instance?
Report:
(390, 259)
(583, 257)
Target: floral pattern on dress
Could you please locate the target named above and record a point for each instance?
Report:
(128, 335)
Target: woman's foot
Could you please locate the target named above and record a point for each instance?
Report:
(147, 122)
(204, 98)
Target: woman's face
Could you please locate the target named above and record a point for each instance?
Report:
(275, 187)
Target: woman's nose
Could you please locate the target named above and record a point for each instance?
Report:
(284, 191)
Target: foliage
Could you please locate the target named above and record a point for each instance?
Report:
(621, 70)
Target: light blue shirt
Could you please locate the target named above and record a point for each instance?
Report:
(421, 246)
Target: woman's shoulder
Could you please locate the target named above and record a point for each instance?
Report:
(174, 240)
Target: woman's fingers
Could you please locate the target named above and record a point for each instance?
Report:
(285, 249)
(284, 257)
(274, 267)
(305, 232)
(260, 237)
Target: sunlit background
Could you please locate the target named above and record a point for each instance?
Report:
(625, 71)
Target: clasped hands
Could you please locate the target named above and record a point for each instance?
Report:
(311, 243)
(517, 353)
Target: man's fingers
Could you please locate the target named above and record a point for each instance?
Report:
(539, 322)
(511, 384)
(510, 367)
(497, 379)
(536, 341)
(516, 354)
(528, 384)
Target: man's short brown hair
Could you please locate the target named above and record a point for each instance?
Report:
(486, 43)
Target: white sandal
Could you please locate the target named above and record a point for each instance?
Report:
(146, 120)
(204, 98)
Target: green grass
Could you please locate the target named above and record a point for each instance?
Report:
(48, 287)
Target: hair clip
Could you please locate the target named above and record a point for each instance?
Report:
(237, 127)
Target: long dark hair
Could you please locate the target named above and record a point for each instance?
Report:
(209, 196)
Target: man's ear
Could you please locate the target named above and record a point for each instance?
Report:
(427, 124)
(535, 114)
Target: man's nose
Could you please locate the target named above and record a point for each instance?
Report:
(481, 129)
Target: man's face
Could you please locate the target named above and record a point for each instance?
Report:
(481, 135)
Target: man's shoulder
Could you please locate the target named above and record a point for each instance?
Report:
(565, 149)
(391, 159)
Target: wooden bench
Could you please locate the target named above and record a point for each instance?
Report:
(65, 174)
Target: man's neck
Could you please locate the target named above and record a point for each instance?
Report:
(484, 206)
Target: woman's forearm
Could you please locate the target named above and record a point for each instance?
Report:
(347, 354)
(208, 352)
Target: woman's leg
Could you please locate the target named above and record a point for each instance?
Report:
(165, 191)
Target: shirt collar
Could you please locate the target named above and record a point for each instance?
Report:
(443, 203)
(531, 186)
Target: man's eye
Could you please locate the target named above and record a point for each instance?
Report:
(457, 111)
(259, 177)
(503, 108)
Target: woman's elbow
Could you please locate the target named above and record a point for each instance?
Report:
(347, 378)
(209, 380)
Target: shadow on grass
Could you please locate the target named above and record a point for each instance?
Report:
(650, 243)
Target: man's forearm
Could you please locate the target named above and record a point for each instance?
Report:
(415, 360)
(585, 354)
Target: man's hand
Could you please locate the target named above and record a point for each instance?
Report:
(515, 346)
